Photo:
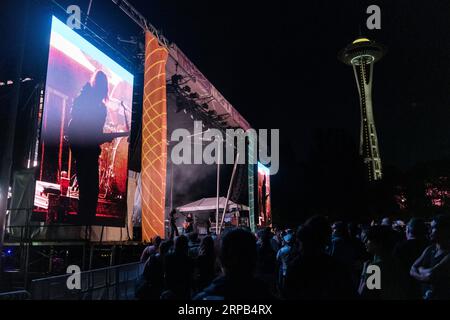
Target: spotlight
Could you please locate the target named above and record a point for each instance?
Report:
(176, 78)
(194, 96)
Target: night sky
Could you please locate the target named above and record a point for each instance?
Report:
(276, 62)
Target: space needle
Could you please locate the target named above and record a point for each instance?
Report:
(362, 54)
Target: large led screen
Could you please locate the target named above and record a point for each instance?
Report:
(85, 134)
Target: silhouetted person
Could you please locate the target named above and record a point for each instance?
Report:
(194, 244)
(432, 268)
(409, 250)
(399, 232)
(380, 241)
(340, 244)
(188, 225)
(313, 274)
(208, 224)
(344, 250)
(151, 249)
(153, 277)
(85, 133)
(238, 259)
(206, 263)
(277, 240)
(173, 225)
(283, 256)
(179, 270)
(266, 265)
(354, 232)
(386, 222)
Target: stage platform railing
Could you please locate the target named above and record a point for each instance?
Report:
(113, 283)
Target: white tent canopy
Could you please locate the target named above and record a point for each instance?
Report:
(209, 204)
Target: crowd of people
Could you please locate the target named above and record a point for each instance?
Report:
(317, 261)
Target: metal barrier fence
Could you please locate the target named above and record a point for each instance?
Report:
(17, 295)
(113, 283)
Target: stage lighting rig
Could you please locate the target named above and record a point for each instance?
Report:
(222, 117)
(197, 106)
(194, 96)
(176, 79)
(140, 20)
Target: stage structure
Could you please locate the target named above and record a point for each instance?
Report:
(130, 206)
(175, 95)
(362, 55)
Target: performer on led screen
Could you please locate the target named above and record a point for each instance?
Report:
(85, 135)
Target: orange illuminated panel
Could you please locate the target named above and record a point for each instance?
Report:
(154, 139)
